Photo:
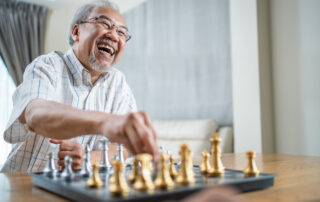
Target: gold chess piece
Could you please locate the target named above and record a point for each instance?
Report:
(144, 179)
(118, 185)
(163, 180)
(205, 165)
(217, 168)
(186, 174)
(135, 169)
(251, 169)
(95, 180)
(172, 169)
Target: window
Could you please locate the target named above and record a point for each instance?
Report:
(7, 88)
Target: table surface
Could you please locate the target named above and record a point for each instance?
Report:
(298, 180)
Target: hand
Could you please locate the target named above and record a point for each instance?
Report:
(134, 130)
(73, 149)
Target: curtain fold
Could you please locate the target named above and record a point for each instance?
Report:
(22, 28)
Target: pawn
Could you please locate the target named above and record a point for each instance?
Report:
(163, 180)
(172, 169)
(144, 179)
(205, 165)
(95, 180)
(186, 174)
(251, 169)
(86, 169)
(50, 170)
(118, 186)
(217, 168)
(134, 174)
(67, 173)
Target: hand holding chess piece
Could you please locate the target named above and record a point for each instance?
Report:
(251, 169)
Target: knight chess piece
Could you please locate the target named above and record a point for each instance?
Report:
(251, 170)
(163, 180)
(105, 163)
(144, 179)
(172, 168)
(67, 173)
(135, 168)
(205, 165)
(217, 168)
(86, 169)
(50, 170)
(95, 180)
(118, 186)
(186, 175)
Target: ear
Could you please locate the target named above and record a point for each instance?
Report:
(75, 32)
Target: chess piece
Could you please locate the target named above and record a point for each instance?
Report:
(135, 168)
(67, 173)
(217, 168)
(205, 165)
(50, 170)
(95, 180)
(120, 153)
(172, 169)
(251, 169)
(144, 180)
(163, 180)
(105, 163)
(118, 186)
(186, 174)
(86, 169)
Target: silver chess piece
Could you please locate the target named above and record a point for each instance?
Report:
(120, 153)
(50, 170)
(105, 163)
(67, 173)
(86, 169)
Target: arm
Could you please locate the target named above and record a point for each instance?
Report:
(59, 121)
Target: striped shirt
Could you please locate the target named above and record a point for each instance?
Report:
(61, 78)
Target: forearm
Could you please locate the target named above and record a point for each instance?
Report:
(59, 121)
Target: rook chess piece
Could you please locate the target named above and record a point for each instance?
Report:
(205, 165)
(105, 163)
(135, 169)
(186, 174)
(67, 173)
(172, 168)
(86, 169)
(163, 180)
(118, 186)
(251, 169)
(144, 180)
(217, 168)
(95, 180)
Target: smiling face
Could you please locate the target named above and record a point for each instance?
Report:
(96, 47)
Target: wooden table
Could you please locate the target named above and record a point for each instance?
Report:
(299, 180)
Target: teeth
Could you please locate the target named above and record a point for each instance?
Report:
(110, 50)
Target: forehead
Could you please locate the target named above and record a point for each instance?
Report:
(114, 15)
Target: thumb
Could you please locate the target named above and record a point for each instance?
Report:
(56, 141)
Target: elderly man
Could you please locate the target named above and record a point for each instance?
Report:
(77, 97)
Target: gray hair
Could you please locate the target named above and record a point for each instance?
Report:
(83, 12)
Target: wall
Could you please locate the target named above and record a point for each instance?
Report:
(295, 28)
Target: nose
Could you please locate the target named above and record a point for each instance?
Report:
(112, 34)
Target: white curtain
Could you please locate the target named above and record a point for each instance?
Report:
(178, 61)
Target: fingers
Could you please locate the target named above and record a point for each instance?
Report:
(72, 149)
(56, 141)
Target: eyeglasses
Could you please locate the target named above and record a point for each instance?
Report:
(121, 30)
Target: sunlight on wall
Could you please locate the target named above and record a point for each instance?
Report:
(7, 88)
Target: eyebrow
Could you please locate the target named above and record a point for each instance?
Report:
(107, 18)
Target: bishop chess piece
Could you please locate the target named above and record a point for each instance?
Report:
(186, 174)
(86, 169)
(120, 153)
(95, 180)
(105, 163)
(251, 170)
(217, 168)
(67, 173)
(50, 170)
(144, 179)
(135, 169)
(164, 180)
(172, 169)
(205, 165)
(118, 186)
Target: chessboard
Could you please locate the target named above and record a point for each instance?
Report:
(77, 189)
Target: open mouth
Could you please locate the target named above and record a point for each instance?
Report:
(106, 48)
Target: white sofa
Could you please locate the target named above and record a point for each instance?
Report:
(196, 133)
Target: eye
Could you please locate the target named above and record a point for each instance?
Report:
(121, 32)
(107, 24)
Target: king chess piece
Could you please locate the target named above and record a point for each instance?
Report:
(95, 180)
(251, 170)
(163, 180)
(186, 175)
(118, 186)
(217, 168)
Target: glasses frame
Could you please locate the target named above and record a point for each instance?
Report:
(128, 35)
